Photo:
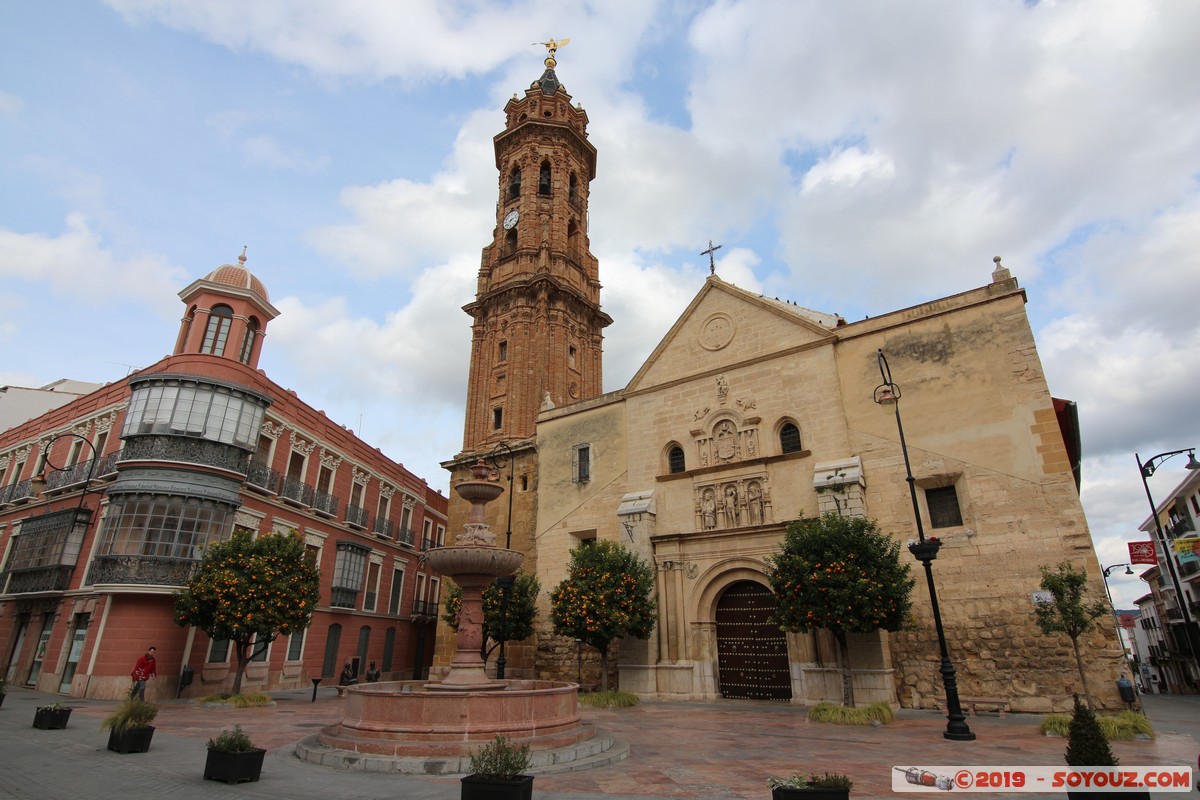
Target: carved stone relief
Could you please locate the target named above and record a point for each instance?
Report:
(723, 505)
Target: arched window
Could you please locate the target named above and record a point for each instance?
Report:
(219, 320)
(573, 188)
(789, 438)
(544, 178)
(248, 341)
(510, 242)
(675, 460)
(514, 183)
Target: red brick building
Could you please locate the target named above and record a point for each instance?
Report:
(107, 503)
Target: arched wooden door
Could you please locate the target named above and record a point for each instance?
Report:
(752, 658)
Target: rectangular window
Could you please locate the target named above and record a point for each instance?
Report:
(372, 587)
(497, 418)
(581, 463)
(441, 536)
(218, 651)
(259, 651)
(503, 351)
(348, 573)
(943, 507)
(295, 646)
(397, 592)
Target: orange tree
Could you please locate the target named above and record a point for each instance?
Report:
(250, 591)
(608, 594)
(517, 620)
(841, 574)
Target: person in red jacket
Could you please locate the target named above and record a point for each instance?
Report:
(145, 669)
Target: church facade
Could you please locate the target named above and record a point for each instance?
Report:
(753, 412)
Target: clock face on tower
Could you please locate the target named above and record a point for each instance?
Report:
(510, 220)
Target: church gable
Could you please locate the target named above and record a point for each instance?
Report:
(725, 326)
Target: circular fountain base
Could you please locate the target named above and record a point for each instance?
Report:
(410, 718)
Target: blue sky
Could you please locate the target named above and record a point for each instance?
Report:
(854, 157)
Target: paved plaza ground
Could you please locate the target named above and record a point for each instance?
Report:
(709, 750)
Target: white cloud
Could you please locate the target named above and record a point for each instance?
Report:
(77, 264)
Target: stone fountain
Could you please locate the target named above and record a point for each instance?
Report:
(431, 727)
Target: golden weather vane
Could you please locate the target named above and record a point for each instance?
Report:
(552, 46)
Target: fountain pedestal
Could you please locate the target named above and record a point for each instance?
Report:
(443, 721)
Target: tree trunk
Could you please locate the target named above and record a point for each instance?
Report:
(1087, 693)
(239, 651)
(844, 664)
(603, 667)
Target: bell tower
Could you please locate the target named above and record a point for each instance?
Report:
(538, 327)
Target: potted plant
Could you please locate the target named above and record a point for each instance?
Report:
(811, 786)
(129, 728)
(52, 717)
(233, 758)
(497, 772)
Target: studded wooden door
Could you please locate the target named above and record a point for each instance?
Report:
(752, 654)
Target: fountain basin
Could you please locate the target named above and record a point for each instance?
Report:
(404, 718)
(469, 560)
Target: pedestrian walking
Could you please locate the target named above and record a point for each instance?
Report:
(145, 669)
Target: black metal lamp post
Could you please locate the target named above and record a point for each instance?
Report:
(505, 582)
(1116, 617)
(40, 481)
(925, 551)
(1147, 469)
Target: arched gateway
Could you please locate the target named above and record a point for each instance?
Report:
(752, 656)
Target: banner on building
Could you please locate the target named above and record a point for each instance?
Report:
(1142, 553)
(1187, 549)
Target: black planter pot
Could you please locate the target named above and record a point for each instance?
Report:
(133, 740)
(51, 719)
(788, 793)
(475, 787)
(233, 767)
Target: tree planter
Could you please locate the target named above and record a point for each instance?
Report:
(786, 793)
(51, 719)
(475, 787)
(134, 740)
(233, 767)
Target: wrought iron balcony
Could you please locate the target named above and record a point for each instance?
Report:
(263, 477)
(343, 597)
(1178, 527)
(428, 543)
(1189, 568)
(55, 578)
(62, 478)
(425, 608)
(187, 450)
(1174, 614)
(18, 492)
(406, 536)
(369, 601)
(107, 468)
(297, 491)
(383, 527)
(357, 517)
(324, 503)
(141, 569)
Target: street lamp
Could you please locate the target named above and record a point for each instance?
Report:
(505, 582)
(1116, 617)
(1147, 469)
(925, 551)
(39, 483)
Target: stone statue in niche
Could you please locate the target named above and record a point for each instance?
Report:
(726, 441)
(754, 504)
(731, 506)
(708, 510)
(722, 389)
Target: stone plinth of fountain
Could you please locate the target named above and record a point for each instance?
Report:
(444, 721)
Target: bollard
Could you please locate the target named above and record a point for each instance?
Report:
(315, 682)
